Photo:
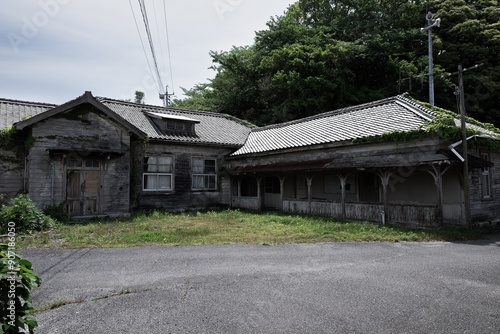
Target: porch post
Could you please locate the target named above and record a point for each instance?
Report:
(437, 174)
(309, 192)
(282, 189)
(343, 180)
(385, 177)
(259, 193)
(238, 180)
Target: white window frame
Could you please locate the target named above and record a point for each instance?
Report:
(486, 178)
(206, 176)
(158, 174)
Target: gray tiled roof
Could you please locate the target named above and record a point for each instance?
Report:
(371, 119)
(12, 111)
(213, 128)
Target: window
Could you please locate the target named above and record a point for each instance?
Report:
(76, 163)
(158, 173)
(249, 187)
(486, 178)
(272, 185)
(179, 126)
(204, 174)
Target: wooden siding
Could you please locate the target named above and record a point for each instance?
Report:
(11, 175)
(81, 136)
(181, 197)
(485, 209)
(408, 214)
(422, 215)
(250, 203)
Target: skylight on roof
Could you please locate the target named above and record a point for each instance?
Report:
(172, 117)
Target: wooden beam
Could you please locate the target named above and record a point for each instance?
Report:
(385, 177)
(309, 179)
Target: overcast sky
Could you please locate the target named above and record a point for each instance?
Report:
(54, 50)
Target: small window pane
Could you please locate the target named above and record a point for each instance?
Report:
(165, 164)
(210, 182)
(164, 182)
(198, 166)
(170, 125)
(198, 181)
(210, 166)
(150, 182)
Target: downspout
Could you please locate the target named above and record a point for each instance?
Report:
(452, 146)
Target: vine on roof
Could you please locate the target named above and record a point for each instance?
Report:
(444, 126)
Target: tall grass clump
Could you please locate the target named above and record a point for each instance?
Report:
(24, 214)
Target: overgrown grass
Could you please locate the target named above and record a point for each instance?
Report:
(228, 227)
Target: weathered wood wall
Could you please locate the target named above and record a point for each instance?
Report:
(485, 209)
(182, 197)
(11, 175)
(83, 132)
(423, 215)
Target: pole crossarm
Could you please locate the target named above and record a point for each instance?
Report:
(464, 70)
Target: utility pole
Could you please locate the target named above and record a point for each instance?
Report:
(166, 97)
(461, 107)
(464, 148)
(432, 23)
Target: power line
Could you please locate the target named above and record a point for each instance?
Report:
(150, 39)
(154, 68)
(140, 37)
(158, 35)
(148, 32)
(168, 44)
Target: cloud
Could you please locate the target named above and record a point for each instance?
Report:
(65, 47)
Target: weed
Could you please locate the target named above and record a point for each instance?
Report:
(228, 227)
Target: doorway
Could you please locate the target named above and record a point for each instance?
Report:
(272, 193)
(83, 188)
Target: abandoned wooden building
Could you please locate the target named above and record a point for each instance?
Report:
(376, 162)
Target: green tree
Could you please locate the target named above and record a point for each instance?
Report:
(469, 35)
(139, 97)
(327, 54)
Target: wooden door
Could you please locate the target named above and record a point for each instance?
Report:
(83, 192)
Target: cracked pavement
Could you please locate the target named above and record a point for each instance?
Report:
(434, 287)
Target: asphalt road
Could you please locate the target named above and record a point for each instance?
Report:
(298, 288)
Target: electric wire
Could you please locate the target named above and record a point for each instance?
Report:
(140, 37)
(154, 68)
(148, 33)
(168, 45)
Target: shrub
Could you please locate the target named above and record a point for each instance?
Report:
(57, 212)
(23, 212)
(16, 281)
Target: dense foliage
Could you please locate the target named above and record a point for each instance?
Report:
(16, 282)
(22, 211)
(326, 54)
